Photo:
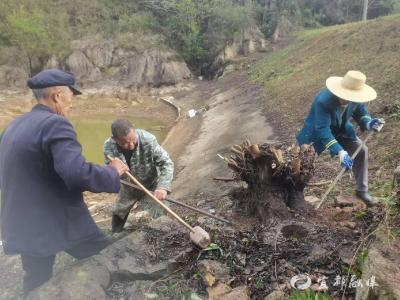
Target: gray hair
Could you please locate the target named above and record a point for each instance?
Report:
(45, 92)
(121, 127)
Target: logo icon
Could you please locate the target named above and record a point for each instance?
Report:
(300, 282)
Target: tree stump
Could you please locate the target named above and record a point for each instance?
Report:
(276, 177)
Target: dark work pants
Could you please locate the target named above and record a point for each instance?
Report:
(360, 166)
(117, 223)
(39, 269)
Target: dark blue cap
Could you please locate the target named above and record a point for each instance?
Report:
(53, 77)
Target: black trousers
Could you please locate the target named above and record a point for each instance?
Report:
(39, 269)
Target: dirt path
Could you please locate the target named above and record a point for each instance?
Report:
(234, 114)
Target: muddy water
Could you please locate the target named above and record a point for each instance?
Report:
(93, 131)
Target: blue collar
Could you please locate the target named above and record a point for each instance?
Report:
(43, 108)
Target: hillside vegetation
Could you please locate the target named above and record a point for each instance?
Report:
(32, 31)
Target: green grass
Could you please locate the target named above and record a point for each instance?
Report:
(357, 268)
(259, 282)
(361, 259)
(308, 295)
(360, 215)
(395, 111)
(382, 188)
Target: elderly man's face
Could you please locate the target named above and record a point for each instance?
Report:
(62, 97)
(127, 142)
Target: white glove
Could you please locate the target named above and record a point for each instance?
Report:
(345, 160)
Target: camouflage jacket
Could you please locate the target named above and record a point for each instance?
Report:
(150, 163)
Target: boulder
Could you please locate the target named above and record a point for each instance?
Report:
(82, 67)
(250, 40)
(83, 281)
(345, 200)
(143, 255)
(312, 200)
(154, 68)
(224, 292)
(213, 271)
(100, 54)
(381, 271)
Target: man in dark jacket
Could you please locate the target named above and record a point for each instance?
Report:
(42, 177)
(328, 125)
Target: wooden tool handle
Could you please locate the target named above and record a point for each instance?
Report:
(341, 173)
(179, 219)
(199, 211)
(181, 204)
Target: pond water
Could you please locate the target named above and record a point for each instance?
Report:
(93, 131)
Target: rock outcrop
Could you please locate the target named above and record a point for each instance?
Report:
(152, 68)
(381, 271)
(102, 63)
(283, 28)
(150, 253)
(79, 64)
(249, 41)
(98, 62)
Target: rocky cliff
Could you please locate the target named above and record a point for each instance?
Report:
(103, 63)
(247, 42)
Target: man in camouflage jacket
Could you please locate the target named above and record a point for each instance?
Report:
(147, 161)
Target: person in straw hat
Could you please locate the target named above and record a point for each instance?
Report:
(328, 125)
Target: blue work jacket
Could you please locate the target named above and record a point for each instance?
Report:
(326, 123)
(42, 177)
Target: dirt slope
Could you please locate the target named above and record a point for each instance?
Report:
(234, 114)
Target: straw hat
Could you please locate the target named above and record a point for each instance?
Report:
(351, 87)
